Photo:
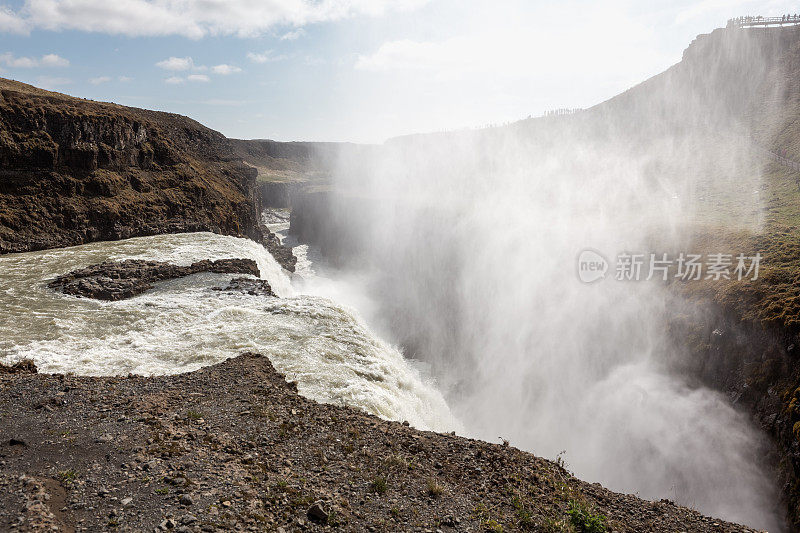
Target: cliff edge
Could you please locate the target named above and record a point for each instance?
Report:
(233, 447)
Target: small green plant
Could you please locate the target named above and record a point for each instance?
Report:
(491, 526)
(582, 517)
(302, 501)
(379, 485)
(524, 516)
(560, 459)
(67, 477)
(333, 519)
(552, 525)
(162, 490)
(482, 513)
(194, 415)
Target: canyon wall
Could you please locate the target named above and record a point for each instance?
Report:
(74, 171)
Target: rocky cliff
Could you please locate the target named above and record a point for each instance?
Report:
(286, 168)
(74, 171)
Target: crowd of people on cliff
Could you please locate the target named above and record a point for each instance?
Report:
(741, 21)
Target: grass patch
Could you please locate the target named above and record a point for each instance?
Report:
(585, 519)
(334, 520)
(379, 485)
(434, 488)
(486, 519)
(525, 518)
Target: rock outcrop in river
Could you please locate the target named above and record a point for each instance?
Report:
(125, 279)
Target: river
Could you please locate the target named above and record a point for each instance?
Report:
(182, 325)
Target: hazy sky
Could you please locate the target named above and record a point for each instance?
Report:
(352, 70)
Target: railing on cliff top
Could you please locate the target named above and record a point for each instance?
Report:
(758, 22)
(779, 158)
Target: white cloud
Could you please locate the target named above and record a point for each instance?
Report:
(266, 56)
(124, 79)
(53, 60)
(183, 64)
(10, 22)
(408, 54)
(502, 51)
(292, 35)
(495, 65)
(224, 70)
(49, 60)
(99, 80)
(9, 60)
(176, 63)
(189, 18)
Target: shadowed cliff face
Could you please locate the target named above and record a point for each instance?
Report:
(75, 171)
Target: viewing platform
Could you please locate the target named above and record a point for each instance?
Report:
(763, 22)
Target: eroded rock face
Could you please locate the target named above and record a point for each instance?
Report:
(282, 254)
(74, 171)
(755, 366)
(119, 280)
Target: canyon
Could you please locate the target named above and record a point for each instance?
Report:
(435, 220)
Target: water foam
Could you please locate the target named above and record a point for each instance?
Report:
(182, 325)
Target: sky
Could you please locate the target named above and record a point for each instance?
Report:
(352, 70)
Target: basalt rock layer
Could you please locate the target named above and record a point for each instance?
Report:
(74, 171)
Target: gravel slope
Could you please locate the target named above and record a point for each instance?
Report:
(233, 447)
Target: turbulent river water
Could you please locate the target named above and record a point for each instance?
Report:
(182, 325)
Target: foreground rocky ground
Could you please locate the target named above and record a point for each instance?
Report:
(233, 447)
